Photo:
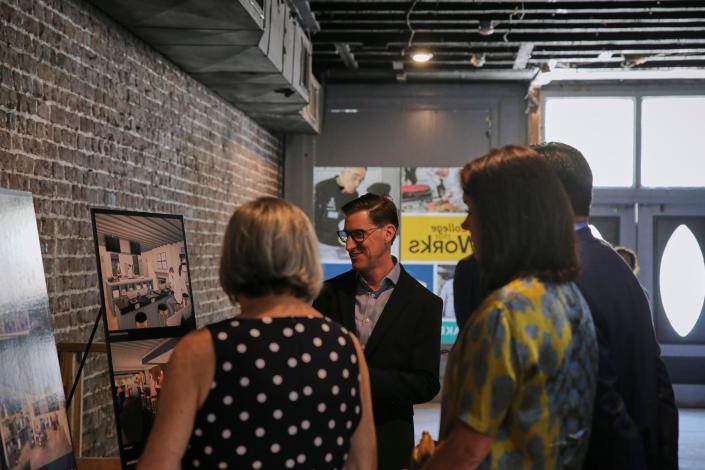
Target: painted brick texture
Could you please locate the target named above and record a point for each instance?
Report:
(92, 116)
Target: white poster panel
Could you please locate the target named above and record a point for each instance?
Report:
(34, 430)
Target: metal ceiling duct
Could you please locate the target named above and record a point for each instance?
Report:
(254, 53)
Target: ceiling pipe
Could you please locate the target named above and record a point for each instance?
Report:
(346, 55)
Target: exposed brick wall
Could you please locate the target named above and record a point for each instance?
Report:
(91, 116)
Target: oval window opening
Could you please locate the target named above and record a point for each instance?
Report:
(682, 280)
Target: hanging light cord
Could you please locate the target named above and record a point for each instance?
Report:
(408, 25)
(521, 13)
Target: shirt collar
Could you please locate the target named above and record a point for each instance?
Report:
(391, 279)
(395, 272)
(580, 225)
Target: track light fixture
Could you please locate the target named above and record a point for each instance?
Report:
(421, 57)
(486, 28)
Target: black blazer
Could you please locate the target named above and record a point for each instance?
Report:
(635, 422)
(403, 352)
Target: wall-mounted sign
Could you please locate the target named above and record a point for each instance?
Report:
(434, 238)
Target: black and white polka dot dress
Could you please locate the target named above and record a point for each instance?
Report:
(285, 395)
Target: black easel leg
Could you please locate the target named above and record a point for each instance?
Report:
(83, 359)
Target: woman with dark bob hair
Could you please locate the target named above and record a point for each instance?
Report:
(279, 385)
(520, 380)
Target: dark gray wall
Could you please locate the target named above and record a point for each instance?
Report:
(406, 125)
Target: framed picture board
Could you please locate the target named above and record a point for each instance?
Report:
(147, 300)
(34, 430)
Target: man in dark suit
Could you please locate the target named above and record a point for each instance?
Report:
(635, 421)
(397, 320)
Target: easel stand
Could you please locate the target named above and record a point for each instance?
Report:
(72, 359)
(85, 356)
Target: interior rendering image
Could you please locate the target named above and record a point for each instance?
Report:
(145, 272)
(139, 368)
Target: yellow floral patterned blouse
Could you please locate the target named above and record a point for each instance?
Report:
(523, 371)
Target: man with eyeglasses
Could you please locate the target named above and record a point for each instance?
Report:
(397, 320)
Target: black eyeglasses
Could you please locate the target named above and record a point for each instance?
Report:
(358, 236)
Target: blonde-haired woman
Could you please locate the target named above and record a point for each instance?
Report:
(278, 386)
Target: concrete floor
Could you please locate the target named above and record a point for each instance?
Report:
(691, 445)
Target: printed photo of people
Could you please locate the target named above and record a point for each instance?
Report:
(144, 271)
(431, 189)
(34, 432)
(336, 186)
(444, 289)
(139, 368)
(33, 425)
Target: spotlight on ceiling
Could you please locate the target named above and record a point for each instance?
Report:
(421, 56)
(478, 60)
(486, 28)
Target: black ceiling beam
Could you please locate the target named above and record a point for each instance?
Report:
(540, 55)
(656, 63)
(508, 5)
(385, 38)
(573, 59)
(607, 47)
(362, 22)
(437, 59)
(437, 55)
(549, 16)
(653, 63)
(536, 52)
(611, 43)
(542, 14)
(372, 75)
(524, 29)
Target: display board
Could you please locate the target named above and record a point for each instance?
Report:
(145, 287)
(431, 240)
(34, 430)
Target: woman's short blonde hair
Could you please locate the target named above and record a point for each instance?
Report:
(270, 247)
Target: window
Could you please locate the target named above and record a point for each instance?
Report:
(671, 141)
(161, 261)
(115, 264)
(602, 128)
(136, 265)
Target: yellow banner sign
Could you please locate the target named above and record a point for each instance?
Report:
(434, 238)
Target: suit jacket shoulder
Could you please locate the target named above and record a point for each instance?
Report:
(336, 298)
(630, 363)
(408, 283)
